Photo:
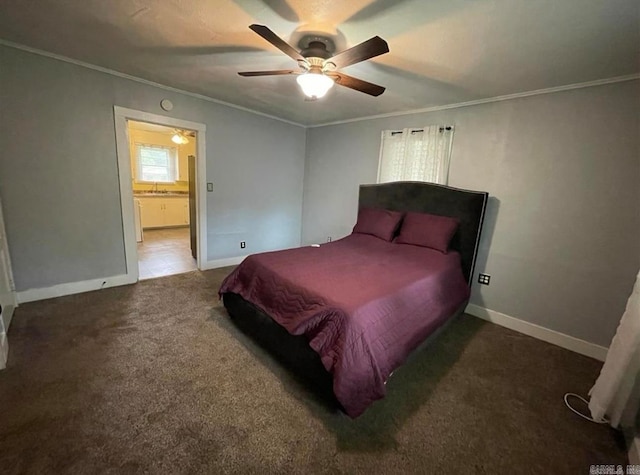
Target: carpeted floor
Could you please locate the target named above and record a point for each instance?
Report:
(154, 378)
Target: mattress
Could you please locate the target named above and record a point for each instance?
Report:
(363, 304)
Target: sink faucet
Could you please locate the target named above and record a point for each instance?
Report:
(154, 187)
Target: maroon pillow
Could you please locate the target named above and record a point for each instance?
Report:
(379, 222)
(428, 230)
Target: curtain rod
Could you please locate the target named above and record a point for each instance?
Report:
(441, 129)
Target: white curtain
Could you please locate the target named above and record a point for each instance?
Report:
(416, 154)
(616, 393)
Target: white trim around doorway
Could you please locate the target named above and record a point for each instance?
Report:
(121, 115)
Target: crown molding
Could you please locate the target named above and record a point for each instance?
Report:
(112, 72)
(508, 97)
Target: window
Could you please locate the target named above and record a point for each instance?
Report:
(156, 163)
(416, 154)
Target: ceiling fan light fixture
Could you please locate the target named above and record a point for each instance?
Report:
(314, 84)
(179, 139)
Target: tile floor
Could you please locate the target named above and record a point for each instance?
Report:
(165, 252)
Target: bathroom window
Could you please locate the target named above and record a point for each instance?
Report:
(156, 164)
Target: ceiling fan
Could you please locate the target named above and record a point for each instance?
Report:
(180, 136)
(318, 66)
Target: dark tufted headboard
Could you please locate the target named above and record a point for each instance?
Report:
(468, 206)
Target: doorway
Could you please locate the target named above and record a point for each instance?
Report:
(161, 165)
(162, 161)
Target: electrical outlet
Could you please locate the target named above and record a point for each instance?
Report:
(484, 279)
(329, 239)
(243, 244)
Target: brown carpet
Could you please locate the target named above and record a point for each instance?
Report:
(154, 378)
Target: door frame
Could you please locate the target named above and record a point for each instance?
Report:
(121, 116)
(9, 300)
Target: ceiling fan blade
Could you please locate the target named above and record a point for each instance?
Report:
(369, 49)
(357, 84)
(277, 72)
(278, 42)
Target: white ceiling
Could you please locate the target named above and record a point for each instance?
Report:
(442, 51)
(148, 127)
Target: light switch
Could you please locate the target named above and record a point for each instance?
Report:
(209, 186)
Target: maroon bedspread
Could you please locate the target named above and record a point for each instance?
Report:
(363, 303)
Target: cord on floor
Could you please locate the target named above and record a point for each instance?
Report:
(566, 401)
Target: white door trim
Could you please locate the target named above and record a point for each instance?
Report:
(8, 299)
(121, 115)
(4, 350)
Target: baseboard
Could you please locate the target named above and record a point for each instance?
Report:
(541, 333)
(4, 350)
(634, 451)
(31, 295)
(229, 261)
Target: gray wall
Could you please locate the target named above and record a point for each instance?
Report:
(59, 177)
(562, 236)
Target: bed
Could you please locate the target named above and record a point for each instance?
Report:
(344, 315)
